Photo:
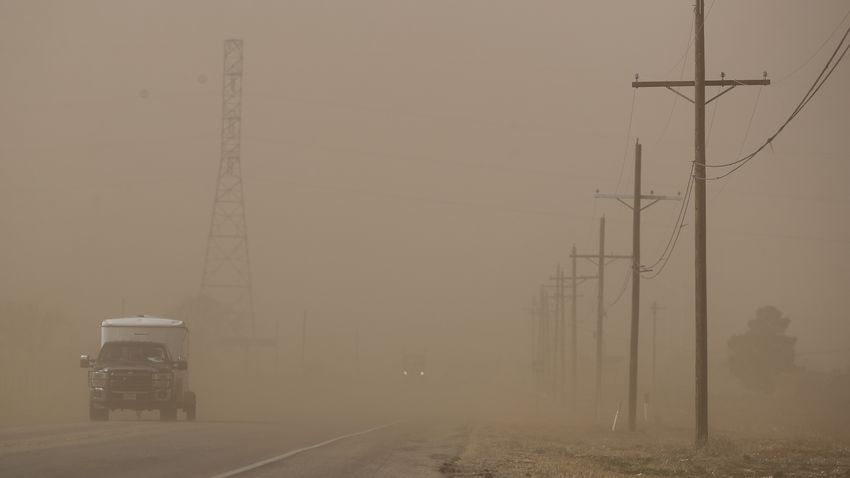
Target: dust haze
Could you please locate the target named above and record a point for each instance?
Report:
(412, 173)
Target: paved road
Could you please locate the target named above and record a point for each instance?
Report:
(206, 449)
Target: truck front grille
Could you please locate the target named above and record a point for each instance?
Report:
(130, 380)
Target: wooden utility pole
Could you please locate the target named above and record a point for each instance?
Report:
(636, 270)
(357, 349)
(574, 333)
(545, 336)
(536, 341)
(600, 259)
(277, 347)
(556, 368)
(633, 343)
(655, 308)
(600, 312)
(541, 342)
(562, 337)
(559, 339)
(303, 342)
(533, 331)
(575, 281)
(700, 261)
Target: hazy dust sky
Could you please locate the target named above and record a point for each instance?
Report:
(419, 167)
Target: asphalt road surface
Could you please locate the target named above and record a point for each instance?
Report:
(145, 448)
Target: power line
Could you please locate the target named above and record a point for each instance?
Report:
(746, 135)
(812, 57)
(824, 75)
(839, 240)
(682, 59)
(448, 202)
(684, 63)
(824, 352)
(795, 197)
(418, 158)
(713, 114)
(623, 289)
(427, 116)
(750, 122)
(628, 136)
(677, 230)
(690, 39)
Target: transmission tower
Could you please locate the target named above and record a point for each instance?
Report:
(227, 268)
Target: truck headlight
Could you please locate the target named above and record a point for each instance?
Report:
(162, 380)
(98, 379)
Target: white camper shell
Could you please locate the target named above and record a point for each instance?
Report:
(172, 333)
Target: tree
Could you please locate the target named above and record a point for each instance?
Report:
(763, 351)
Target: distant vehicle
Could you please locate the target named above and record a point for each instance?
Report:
(413, 366)
(142, 365)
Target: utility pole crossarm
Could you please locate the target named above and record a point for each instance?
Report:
(578, 278)
(554, 288)
(655, 197)
(596, 256)
(722, 82)
(682, 83)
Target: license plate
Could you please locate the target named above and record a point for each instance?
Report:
(129, 396)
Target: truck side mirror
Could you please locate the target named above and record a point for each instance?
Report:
(181, 365)
(85, 361)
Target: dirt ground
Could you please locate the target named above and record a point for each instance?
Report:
(546, 450)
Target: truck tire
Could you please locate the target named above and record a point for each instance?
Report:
(190, 405)
(168, 414)
(98, 414)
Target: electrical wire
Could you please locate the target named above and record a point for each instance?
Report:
(670, 116)
(680, 218)
(622, 290)
(713, 114)
(750, 122)
(741, 162)
(682, 59)
(812, 57)
(681, 75)
(421, 199)
(674, 238)
(424, 159)
(591, 222)
(824, 75)
(691, 39)
(743, 141)
(824, 352)
(664, 258)
(628, 137)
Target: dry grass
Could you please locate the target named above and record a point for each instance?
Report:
(562, 451)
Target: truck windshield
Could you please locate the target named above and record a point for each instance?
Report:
(147, 352)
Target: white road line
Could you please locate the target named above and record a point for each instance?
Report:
(288, 454)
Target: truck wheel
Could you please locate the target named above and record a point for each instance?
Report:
(168, 414)
(189, 405)
(98, 414)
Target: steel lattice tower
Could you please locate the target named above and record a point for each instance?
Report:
(227, 268)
